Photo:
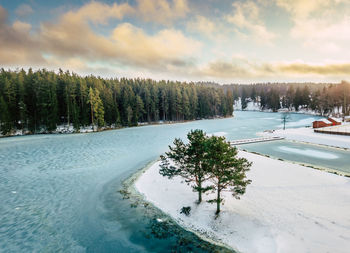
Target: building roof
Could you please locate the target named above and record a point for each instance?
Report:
(324, 120)
(335, 119)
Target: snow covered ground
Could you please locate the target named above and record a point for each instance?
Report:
(287, 208)
(251, 106)
(344, 128)
(307, 134)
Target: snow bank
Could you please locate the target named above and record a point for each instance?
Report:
(308, 135)
(251, 106)
(344, 128)
(287, 208)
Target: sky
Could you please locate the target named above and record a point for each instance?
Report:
(226, 41)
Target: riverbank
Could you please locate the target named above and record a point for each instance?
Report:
(65, 129)
(287, 208)
(163, 225)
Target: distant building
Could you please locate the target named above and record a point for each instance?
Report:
(334, 121)
(321, 123)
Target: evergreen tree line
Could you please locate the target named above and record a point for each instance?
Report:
(38, 101)
(322, 98)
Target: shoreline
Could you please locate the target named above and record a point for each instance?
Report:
(142, 124)
(129, 190)
(211, 236)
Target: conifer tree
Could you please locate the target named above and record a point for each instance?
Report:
(99, 109)
(5, 124)
(139, 109)
(129, 114)
(227, 172)
(244, 98)
(187, 161)
(91, 101)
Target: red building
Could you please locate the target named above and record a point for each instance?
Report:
(335, 122)
(325, 123)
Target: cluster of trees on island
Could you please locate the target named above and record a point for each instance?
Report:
(207, 163)
(38, 101)
(322, 98)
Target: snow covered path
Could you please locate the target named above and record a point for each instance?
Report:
(287, 208)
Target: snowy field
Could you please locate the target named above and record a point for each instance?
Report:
(287, 208)
(344, 128)
(308, 135)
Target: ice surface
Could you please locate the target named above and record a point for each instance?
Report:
(62, 182)
(217, 134)
(309, 152)
(302, 122)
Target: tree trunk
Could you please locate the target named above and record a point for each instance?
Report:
(199, 191)
(218, 200)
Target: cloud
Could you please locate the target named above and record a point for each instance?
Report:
(304, 68)
(165, 47)
(323, 35)
(71, 37)
(163, 50)
(162, 11)
(97, 13)
(244, 69)
(248, 23)
(202, 25)
(222, 69)
(24, 10)
(158, 11)
(300, 9)
(17, 45)
(320, 24)
(3, 15)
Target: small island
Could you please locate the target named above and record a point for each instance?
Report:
(286, 208)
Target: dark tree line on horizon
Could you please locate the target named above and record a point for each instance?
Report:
(323, 98)
(39, 101)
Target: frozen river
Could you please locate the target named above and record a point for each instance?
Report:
(59, 193)
(316, 155)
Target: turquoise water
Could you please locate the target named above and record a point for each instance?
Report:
(59, 193)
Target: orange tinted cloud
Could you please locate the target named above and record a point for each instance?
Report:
(72, 36)
(17, 45)
(244, 69)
